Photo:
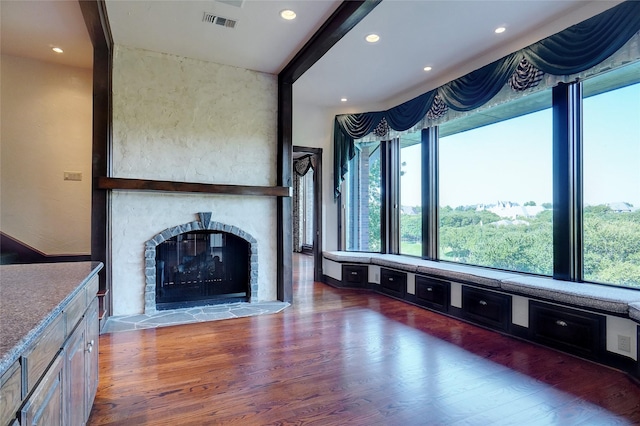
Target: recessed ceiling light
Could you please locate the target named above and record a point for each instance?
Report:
(57, 50)
(500, 30)
(343, 100)
(427, 68)
(372, 38)
(288, 14)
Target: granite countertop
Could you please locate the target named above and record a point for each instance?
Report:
(30, 298)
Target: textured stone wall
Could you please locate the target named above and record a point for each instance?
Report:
(187, 120)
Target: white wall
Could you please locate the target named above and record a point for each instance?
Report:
(46, 118)
(187, 120)
(313, 127)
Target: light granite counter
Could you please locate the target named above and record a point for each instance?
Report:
(31, 296)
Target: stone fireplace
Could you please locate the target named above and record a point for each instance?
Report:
(200, 263)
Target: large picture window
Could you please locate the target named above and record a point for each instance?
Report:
(529, 164)
(495, 190)
(612, 179)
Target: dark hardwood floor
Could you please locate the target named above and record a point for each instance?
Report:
(344, 357)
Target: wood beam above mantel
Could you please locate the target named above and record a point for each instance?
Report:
(207, 188)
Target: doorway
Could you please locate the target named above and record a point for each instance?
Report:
(307, 205)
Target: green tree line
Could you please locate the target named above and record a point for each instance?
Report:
(611, 242)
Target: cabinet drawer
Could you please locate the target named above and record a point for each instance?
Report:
(74, 310)
(36, 361)
(92, 288)
(10, 393)
(486, 307)
(393, 283)
(355, 275)
(567, 329)
(432, 293)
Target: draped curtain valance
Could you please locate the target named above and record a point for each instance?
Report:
(571, 51)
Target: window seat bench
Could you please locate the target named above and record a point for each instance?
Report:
(617, 301)
(596, 322)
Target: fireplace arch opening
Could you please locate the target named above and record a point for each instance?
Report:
(203, 263)
(202, 267)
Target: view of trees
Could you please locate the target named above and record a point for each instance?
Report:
(484, 238)
(611, 242)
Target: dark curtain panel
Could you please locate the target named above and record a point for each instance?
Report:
(406, 115)
(586, 44)
(478, 87)
(343, 150)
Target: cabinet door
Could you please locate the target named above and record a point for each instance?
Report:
(393, 283)
(486, 307)
(91, 346)
(355, 275)
(75, 378)
(45, 406)
(10, 393)
(578, 332)
(432, 293)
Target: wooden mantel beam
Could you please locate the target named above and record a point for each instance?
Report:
(208, 188)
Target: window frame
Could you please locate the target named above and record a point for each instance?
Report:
(567, 187)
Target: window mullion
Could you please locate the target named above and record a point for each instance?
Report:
(430, 193)
(391, 197)
(567, 181)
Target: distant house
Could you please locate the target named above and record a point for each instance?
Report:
(621, 207)
(408, 210)
(511, 210)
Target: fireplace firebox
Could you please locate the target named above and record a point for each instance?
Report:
(200, 268)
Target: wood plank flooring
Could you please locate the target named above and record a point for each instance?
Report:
(346, 357)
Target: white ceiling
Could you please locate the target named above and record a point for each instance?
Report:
(260, 41)
(31, 28)
(454, 37)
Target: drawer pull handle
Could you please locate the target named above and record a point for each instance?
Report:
(429, 288)
(354, 273)
(390, 279)
(561, 323)
(483, 303)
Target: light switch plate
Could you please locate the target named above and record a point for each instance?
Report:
(73, 176)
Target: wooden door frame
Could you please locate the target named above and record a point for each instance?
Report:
(316, 154)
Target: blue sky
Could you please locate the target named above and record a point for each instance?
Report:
(511, 160)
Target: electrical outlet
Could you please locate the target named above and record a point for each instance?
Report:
(73, 176)
(624, 343)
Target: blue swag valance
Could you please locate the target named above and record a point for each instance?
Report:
(570, 51)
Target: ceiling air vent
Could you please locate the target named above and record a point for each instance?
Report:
(212, 18)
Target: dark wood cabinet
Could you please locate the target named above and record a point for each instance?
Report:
(571, 330)
(432, 293)
(55, 379)
(393, 283)
(81, 361)
(488, 308)
(355, 276)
